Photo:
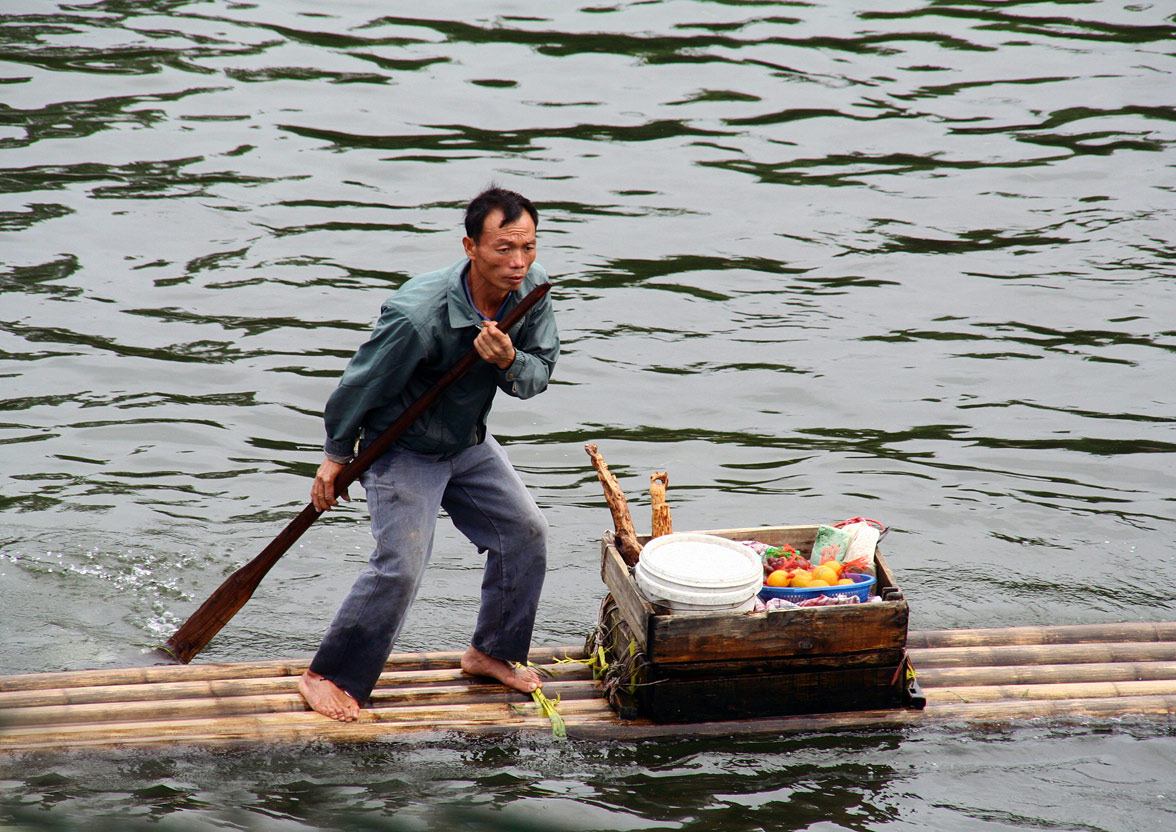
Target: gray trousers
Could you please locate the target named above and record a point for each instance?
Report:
(489, 504)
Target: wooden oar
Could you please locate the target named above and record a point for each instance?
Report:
(230, 596)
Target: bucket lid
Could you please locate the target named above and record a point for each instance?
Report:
(698, 568)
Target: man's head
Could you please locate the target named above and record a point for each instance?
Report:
(511, 205)
(500, 243)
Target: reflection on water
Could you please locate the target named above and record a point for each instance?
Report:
(932, 779)
(817, 261)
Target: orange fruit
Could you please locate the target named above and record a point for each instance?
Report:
(818, 582)
(835, 565)
(826, 574)
(801, 578)
(846, 582)
(777, 578)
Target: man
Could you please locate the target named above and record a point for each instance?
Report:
(444, 460)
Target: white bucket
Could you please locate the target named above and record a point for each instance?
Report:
(699, 573)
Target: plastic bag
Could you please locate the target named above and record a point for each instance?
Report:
(831, 544)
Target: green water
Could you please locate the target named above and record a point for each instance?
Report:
(912, 261)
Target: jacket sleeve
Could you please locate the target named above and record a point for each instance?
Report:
(536, 352)
(375, 376)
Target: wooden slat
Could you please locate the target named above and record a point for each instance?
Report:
(798, 633)
(743, 667)
(636, 611)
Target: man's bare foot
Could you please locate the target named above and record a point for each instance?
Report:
(327, 698)
(477, 663)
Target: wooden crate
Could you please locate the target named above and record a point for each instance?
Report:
(723, 665)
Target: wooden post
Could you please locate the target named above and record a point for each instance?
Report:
(662, 524)
(626, 536)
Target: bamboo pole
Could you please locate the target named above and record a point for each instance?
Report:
(938, 677)
(591, 719)
(441, 659)
(626, 536)
(253, 726)
(1039, 672)
(661, 522)
(1056, 634)
(596, 722)
(425, 680)
(1043, 654)
(1004, 711)
(280, 727)
(1063, 690)
(140, 675)
(310, 730)
(183, 709)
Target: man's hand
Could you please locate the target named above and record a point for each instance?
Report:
(322, 493)
(494, 345)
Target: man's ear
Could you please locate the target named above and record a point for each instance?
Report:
(469, 245)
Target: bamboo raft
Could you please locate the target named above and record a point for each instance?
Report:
(968, 676)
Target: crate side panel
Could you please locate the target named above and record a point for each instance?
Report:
(633, 607)
(888, 657)
(777, 633)
(760, 695)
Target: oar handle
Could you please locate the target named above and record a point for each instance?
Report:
(230, 596)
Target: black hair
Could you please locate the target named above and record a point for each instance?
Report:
(510, 203)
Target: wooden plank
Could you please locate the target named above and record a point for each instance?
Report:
(800, 537)
(674, 699)
(885, 577)
(795, 633)
(752, 666)
(633, 607)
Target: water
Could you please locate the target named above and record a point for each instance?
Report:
(911, 261)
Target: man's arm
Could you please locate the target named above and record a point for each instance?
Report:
(532, 357)
(494, 345)
(322, 492)
(375, 376)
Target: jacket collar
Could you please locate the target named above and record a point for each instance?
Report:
(461, 312)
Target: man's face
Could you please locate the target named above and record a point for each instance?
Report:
(502, 256)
